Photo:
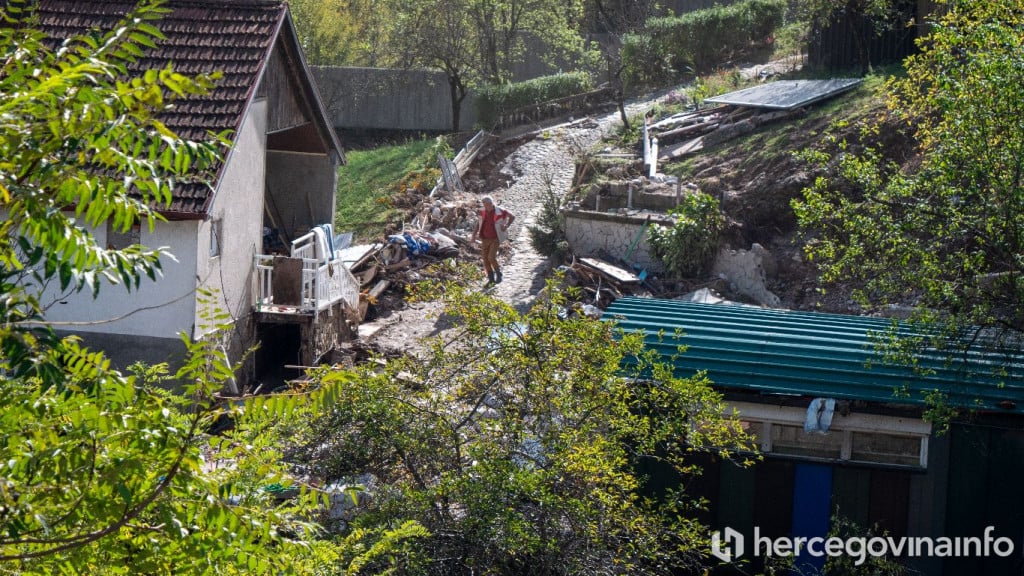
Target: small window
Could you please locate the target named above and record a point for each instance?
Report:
(118, 239)
(215, 238)
(886, 448)
(793, 441)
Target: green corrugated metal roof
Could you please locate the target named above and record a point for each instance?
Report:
(812, 354)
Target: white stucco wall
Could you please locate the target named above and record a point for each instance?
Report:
(238, 210)
(159, 309)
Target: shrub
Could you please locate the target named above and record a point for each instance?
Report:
(688, 247)
(646, 63)
(548, 236)
(699, 41)
(493, 101)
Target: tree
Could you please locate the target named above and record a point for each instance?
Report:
(105, 472)
(342, 32)
(519, 445)
(474, 41)
(942, 230)
(438, 34)
(501, 24)
(612, 21)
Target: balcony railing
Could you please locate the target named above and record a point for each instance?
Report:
(323, 281)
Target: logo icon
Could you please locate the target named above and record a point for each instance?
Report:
(730, 549)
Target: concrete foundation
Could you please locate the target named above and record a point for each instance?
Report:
(596, 233)
(124, 350)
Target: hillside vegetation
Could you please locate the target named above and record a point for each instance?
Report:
(371, 180)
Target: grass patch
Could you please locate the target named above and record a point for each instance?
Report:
(366, 183)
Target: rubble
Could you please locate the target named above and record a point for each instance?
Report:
(685, 134)
(439, 223)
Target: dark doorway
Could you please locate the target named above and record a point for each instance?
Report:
(280, 346)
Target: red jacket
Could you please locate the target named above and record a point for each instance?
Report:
(495, 225)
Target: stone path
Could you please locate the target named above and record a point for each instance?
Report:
(542, 162)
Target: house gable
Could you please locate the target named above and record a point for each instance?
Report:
(241, 39)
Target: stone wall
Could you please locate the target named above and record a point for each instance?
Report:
(636, 194)
(603, 234)
(324, 335)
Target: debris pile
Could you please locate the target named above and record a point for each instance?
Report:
(399, 260)
(687, 133)
(603, 282)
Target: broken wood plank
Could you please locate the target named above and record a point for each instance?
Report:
(766, 117)
(355, 257)
(611, 271)
(689, 131)
(377, 290)
(684, 118)
(680, 150)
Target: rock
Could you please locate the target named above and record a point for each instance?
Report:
(702, 296)
(768, 262)
(746, 275)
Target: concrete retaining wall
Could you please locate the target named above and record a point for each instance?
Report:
(638, 194)
(390, 99)
(590, 233)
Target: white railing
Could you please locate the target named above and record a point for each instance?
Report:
(264, 281)
(323, 283)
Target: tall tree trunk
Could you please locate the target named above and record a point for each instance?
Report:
(457, 93)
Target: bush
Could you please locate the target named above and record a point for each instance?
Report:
(688, 247)
(646, 63)
(699, 41)
(548, 236)
(493, 101)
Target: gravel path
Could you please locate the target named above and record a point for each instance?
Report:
(542, 162)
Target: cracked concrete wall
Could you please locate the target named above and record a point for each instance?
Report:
(594, 233)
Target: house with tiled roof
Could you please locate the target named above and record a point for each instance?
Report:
(275, 185)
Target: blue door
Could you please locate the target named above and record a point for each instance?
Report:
(812, 505)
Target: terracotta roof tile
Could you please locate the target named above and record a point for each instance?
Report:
(230, 36)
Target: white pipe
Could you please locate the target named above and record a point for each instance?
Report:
(654, 158)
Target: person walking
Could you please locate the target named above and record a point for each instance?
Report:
(492, 231)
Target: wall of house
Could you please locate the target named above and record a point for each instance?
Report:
(160, 308)
(591, 233)
(142, 324)
(300, 190)
(236, 219)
